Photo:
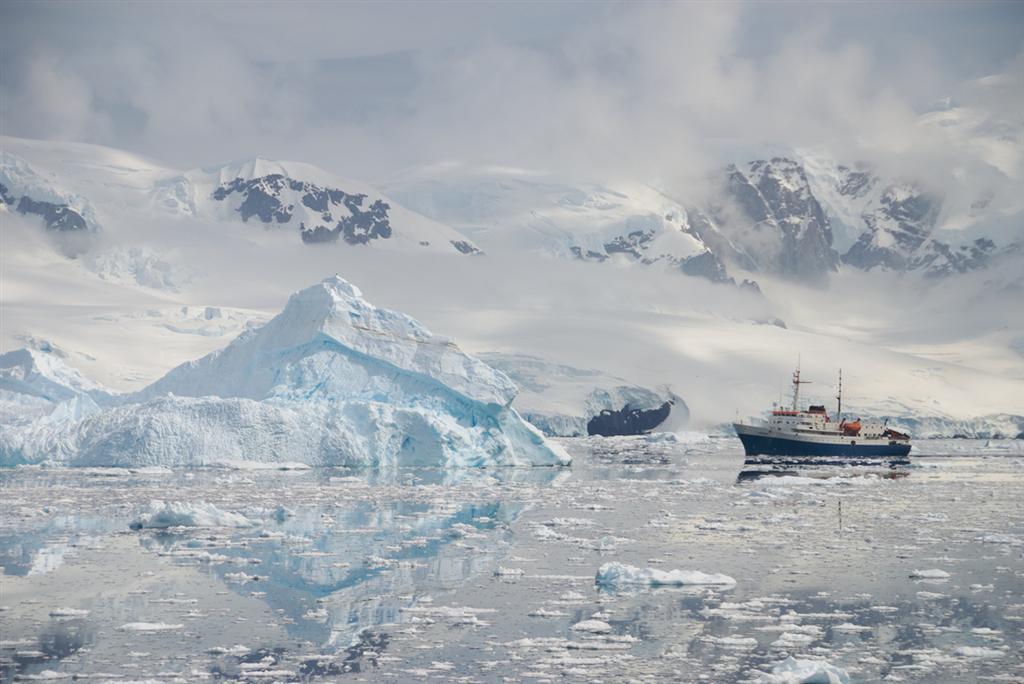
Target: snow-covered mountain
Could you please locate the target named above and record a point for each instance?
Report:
(24, 190)
(320, 207)
(74, 187)
(780, 225)
(514, 210)
(331, 380)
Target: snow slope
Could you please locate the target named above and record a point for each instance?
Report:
(332, 380)
(516, 210)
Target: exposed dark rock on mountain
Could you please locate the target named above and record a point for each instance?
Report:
(57, 217)
(465, 247)
(707, 266)
(896, 228)
(270, 199)
(628, 421)
(789, 233)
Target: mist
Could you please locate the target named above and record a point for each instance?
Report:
(656, 92)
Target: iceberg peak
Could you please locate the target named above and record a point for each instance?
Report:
(329, 341)
(339, 286)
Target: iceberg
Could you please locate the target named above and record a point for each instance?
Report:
(35, 383)
(330, 381)
(162, 515)
(616, 574)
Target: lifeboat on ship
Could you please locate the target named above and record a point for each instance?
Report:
(850, 429)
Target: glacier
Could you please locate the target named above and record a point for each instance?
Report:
(565, 401)
(330, 381)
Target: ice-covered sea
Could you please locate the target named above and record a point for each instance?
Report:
(480, 575)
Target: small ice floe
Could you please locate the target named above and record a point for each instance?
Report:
(996, 538)
(44, 676)
(320, 615)
(732, 642)
(592, 627)
(236, 650)
(932, 574)
(455, 615)
(68, 613)
(233, 464)
(849, 627)
(162, 515)
(987, 632)
(568, 522)
(151, 470)
(149, 627)
(804, 671)
(978, 652)
(508, 572)
(616, 574)
(545, 613)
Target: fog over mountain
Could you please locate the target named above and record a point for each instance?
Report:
(672, 200)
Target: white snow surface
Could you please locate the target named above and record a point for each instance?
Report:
(331, 380)
(619, 574)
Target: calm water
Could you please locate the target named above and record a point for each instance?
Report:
(479, 575)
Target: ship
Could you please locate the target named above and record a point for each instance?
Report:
(813, 433)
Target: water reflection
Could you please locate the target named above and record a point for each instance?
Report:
(333, 553)
(816, 468)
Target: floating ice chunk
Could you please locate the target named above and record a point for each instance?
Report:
(149, 627)
(319, 615)
(930, 574)
(237, 464)
(733, 642)
(614, 574)
(508, 572)
(793, 671)
(978, 652)
(592, 627)
(45, 675)
(68, 613)
(184, 514)
(236, 650)
(995, 538)
(850, 627)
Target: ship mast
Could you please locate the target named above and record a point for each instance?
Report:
(796, 387)
(839, 397)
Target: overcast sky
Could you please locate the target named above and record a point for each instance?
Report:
(656, 90)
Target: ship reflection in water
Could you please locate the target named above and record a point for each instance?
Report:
(755, 468)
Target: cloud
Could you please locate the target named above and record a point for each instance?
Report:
(658, 92)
